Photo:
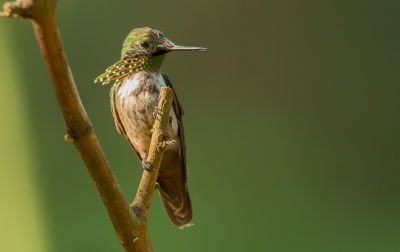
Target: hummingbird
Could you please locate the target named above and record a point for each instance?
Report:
(134, 97)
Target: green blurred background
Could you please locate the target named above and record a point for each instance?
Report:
(292, 123)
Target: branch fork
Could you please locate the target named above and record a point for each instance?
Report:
(129, 221)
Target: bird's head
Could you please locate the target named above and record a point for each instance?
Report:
(144, 49)
(149, 42)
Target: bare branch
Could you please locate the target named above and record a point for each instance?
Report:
(159, 141)
(130, 223)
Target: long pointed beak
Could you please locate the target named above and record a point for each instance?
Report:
(187, 48)
(169, 48)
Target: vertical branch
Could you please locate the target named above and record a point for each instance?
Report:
(159, 141)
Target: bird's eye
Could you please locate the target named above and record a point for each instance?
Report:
(144, 44)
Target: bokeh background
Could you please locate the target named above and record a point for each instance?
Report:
(292, 122)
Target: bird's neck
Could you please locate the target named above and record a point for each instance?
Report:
(152, 64)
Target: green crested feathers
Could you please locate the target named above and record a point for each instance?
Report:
(135, 57)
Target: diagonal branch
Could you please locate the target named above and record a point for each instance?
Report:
(130, 223)
(159, 141)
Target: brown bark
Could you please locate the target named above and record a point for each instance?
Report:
(129, 222)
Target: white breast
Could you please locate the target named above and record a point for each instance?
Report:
(139, 83)
(133, 82)
(138, 96)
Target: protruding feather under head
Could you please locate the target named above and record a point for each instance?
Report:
(139, 52)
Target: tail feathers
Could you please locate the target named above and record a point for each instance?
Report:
(177, 206)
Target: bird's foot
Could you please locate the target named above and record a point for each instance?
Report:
(156, 112)
(146, 166)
